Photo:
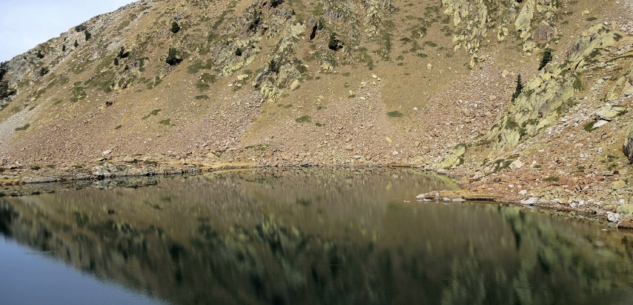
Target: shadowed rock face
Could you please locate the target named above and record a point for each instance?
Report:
(319, 237)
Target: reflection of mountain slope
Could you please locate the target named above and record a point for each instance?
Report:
(317, 237)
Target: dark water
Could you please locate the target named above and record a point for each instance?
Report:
(299, 237)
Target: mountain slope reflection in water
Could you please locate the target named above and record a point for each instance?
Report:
(319, 236)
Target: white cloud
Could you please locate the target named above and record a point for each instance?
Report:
(26, 23)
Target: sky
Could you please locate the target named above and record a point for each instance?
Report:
(26, 23)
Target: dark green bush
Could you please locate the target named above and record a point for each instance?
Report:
(88, 35)
(40, 55)
(64, 48)
(123, 54)
(547, 57)
(44, 71)
(334, 44)
(116, 61)
(238, 52)
(3, 69)
(274, 66)
(76, 44)
(518, 89)
(173, 57)
(80, 28)
(275, 3)
(175, 28)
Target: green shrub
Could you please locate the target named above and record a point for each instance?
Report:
(80, 28)
(547, 57)
(208, 78)
(35, 167)
(175, 28)
(166, 122)
(518, 89)
(173, 57)
(238, 52)
(76, 44)
(551, 179)
(116, 61)
(88, 35)
(123, 54)
(64, 48)
(118, 127)
(275, 3)
(592, 19)
(334, 44)
(3, 69)
(40, 55)
(394, 114)
(274, 66)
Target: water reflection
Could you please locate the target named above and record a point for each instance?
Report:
(319, 237)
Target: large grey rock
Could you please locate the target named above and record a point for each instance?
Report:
(544, 33)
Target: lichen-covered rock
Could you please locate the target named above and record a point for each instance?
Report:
(547, 94)
(456, 158)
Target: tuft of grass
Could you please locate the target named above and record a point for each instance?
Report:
(166, 122)
(202, 97)
(25, 127)
(592, 19)
(589, 126)
(35, 167)
(154, 113)
(118, 127)
(202, 86)
(57, 102)
(78, 166)
(551, 179)
(303, 119)
(394, 114)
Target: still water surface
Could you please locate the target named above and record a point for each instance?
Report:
(318, 236)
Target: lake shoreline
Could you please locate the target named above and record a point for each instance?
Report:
(18, 181)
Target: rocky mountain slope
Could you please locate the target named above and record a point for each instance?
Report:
(355, 82)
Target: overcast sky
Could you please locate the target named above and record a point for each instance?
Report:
(26, 23)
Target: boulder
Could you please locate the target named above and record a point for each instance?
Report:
(456, 158)
(608, 113)
(613, 217)
(531, 201)
(544, 33)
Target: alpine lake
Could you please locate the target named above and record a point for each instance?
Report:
(299, 236)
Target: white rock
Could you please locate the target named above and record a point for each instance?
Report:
(613, 217)
(530, 201)
(421, 196)
(523, 192)
(600, 124)
(459, 200)
(107, 152)
(516, 164)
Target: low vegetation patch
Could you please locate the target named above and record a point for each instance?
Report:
(303, 119)
(25, 127)
(394, 114)
(551, 179)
